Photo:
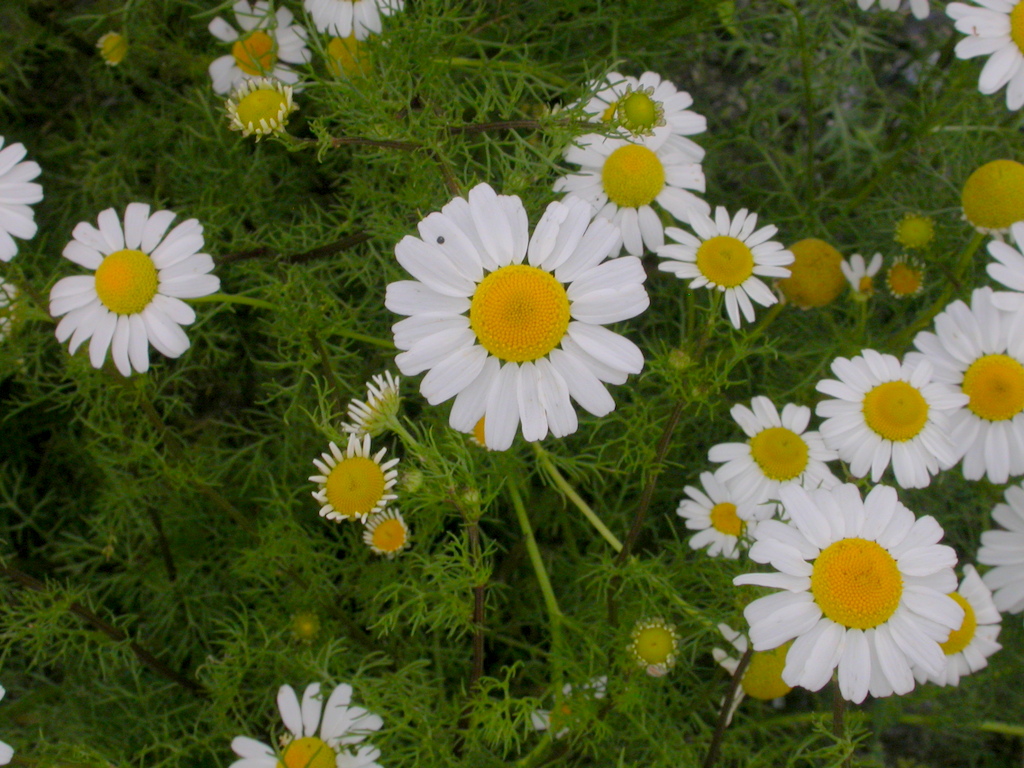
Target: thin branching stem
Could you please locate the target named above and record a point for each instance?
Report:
(550, 602)
(724, 715)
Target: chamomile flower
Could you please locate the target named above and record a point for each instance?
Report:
(915, 231)
(762, 679)
(723, 518)
(918, 7)
(348, 56)
(1008, 269)
(728, 255)
(568, 710)
(386, 533)
(860, 275)
(653, 644)
(993, 195)
(17, 193)
(6, 751)
(267, 44)
(260, 106)
(622, 181)
(650, 111)
(815, 276)
(509, 340)
(885, 412)
(994, 28)
(340, 726)
(133, 299)
(354, 483)
(8, 295)
(113, 47)
(979, 350)
(371, 417)
(905, 277)
(342, 18)
(780, 450)
(1004, 550)
(864, 587)
(969, 646)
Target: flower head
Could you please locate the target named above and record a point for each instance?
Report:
(340, 727)
(386, 533)
(905, 277)
(918, 7)
(915, 231)
(1004, 550)
(348, 56)
(305, 626)
(567, 711)
(381, 406)
(344, 18)
(260, 106)
(993, 196)
(113, 47)
(994, 28)
(17, 193)
(728, 255)
(864, 588)
(133, 299)
(762, 679)
(513, 341)
(860, 276)
(724, 519)
(354, 484)
(815, 276)
(653, 644)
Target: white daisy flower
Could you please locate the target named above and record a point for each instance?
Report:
(864, 588)
(8, 295)
(386, 533)
(860, 275)
(779, 451)
(351, 17)
(885, 412)
(1005, 551)
(354, 484)
(1008, 269)
(762, 679)
(513, 341)
(980, 350)
(260, 106)
(723, 518)
(919, 8)
(650, 111)
(372, 416)
(142, 272)
(969, 646)
(994, 28)
(267, 39)
(17, 193)
(6, 750)
(341, 727)
(728, 255)
(621, 180)
(566, 711)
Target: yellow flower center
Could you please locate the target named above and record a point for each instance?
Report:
(815, 277)
(961, 638)
(126, 282)
(308, 752)
(347, 56)
(995, 384)
(763, 678)
(915, 231)
(519, 313)
(856, 583)
(725, 261)
(355, 486)
(725, 520)
(638, 112)
(904, 279)
(306, 626)
(255, 53)
(993, 196)
(113, 48)
(389, 535)
(780, 453)
(654, 644)
(895, 411)
(1017, 25)
(262, 104)
(478, 431)
(632, 176)
(866, 285)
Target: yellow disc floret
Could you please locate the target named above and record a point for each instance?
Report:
(632, 176)
(113, 48)
(960, 638)
(355, 486)
(993, 196)
(856, 583)
(815, 276)
(348, 56)
(1017, 25)
(126, 281)
(905, 277)
(725, 261)
(640, 114)
(260, 107)
(763, 678)
(725, 520)
(389, 535)
(519, 313)
(995, 384)
(256, 53)
(895, 411)
(915, 232)
(654, 643)
(308, 752)
(780, 453)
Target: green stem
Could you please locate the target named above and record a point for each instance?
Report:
(766, 319)
(563, 485)
(550, 603)
(806, 67)
(227, 298)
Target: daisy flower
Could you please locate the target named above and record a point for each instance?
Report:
(17, 193)
(979, 350)
(267, 39)
(650, 111)
(653, 645)
(567, 711)
(864, 587)
(260, 106)
(993, 195)
(886, 412)
(918, 7)
(6, 751)
(779, 451)
(513, 341)
(113, 47)
(621, 180)
(133, 299)
(354, 484)
(762, 679)
(343, 18)
(1005, 551)
(386, 533)
(1008, 269)
(8, 295)
(341, 726)
(859, 275)
(815, 276)
(969, 646)
(994, 28)
(905, 277)
(381, 406)
(723, 518)
(728, 255)
(915, 231)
